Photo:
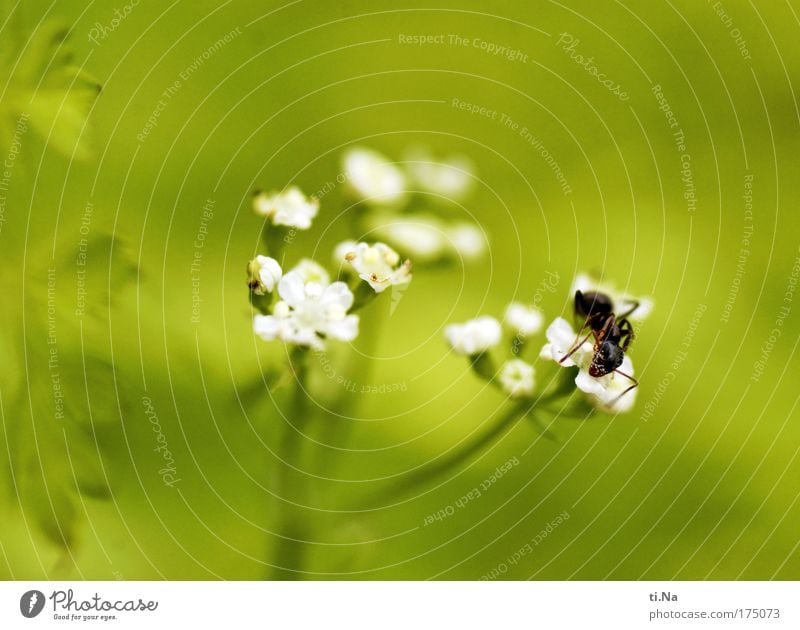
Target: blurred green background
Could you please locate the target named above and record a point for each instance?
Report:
(703, 485)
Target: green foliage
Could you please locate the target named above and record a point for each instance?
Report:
(44, 84)
(68, 397)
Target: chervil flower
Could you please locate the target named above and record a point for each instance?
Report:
(379, 265)
(560, 340)
(289, 207)
(622, 301)
(475, 336)
(341, 250)
(421, 236)
(308, 313)
(524, 320)
(451, 177)
(265, 273)
(372, 178)
(605, 391)
(516, 378)
(602, 391)
(468, 240)
(311, 271)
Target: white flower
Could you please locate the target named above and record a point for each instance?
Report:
(451, 177)
(468, 240)
(602, 391)
(311, 271)
(605, 391)
(309, 312)
(373, 178)
(379, 265)
(341, 250)
(421, 236)
(516, 378)
(560, 340)
(474, 336)
(265, 273)
(289, 207)
(524, 320)
(622, 301)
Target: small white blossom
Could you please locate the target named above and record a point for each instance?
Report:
(265, 273)
(602, 391)
(524, 320)
(311, 271)
(379, 265)
(560, 340)
(474, 336)
(373, 178)
(289, 207)
(622, 301)
(451, 177)
(341, 250)
(605, 391)
(421, 236)
(516, 378)
(309, 312)
(468, 240)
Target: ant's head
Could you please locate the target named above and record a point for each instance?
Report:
(607, 359)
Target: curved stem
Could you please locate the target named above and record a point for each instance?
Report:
(461, 455)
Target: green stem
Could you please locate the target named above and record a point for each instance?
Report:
(461, 455)
(288, 556)
(339, 429)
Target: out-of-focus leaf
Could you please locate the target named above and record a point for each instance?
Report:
(50, 90)
(68, 399)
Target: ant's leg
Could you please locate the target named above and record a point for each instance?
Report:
(627, 332)
(580, 330)
(634, 386)
(576, 346)
(634, 305)
(601, 335)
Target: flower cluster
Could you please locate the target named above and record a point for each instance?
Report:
(377, 264)
(604, 392)
(302, 306)
(611, 392)
(289, 208)
(477, 337)
(310, 308)
(384, 189)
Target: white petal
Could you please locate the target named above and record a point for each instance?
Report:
(373, 178)
(266, 327)
(560, 333)
(312, 271)
(338, 294)
(419, 236)
(270, 272)
(516, 378)
(345, 329)
(474, 336)
(342, 249)
(524, 320)
(468, 240)
(306, 337)
(292, 288)
(589, 384)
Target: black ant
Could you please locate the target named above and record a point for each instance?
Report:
(612, 335)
